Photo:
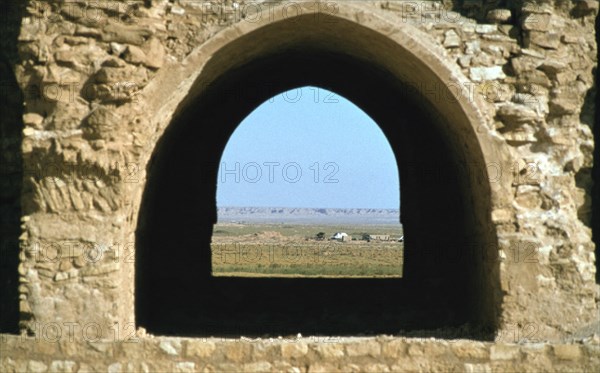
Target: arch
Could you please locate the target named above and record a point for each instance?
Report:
(424, 107)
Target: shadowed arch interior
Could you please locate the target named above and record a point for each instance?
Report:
(449, 279)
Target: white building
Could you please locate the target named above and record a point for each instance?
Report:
(339, 236)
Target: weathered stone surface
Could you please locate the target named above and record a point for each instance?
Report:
(323, 368)
(394, 349)
(171, 348)
(567, 352)
(369, 348)
(451, 39)
(260, 366)
(541, 64)
(237, 352)
(33, 119)
(504, 352)
(536, 22)
(34, 366)
(155, 53)
(134, 55)
(200, 348)
(100, 269)
(114, 74)
(177, 10)
(59, 366)
(515, 115)
(503, 356)
(119, 33)
(117, 49)
(479, 74)
(549, 40)
(465, 61)
(101, 123)
(486, 29)
(374, 368)
(468, 350)
(564, 106)
(477, 368)
(499, 15)
(293, 350)
(185, 367)
(525, 63)
(330, 350)
(87, 31)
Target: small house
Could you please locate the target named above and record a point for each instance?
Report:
(339, 236)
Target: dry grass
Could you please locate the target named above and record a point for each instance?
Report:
(290, 251)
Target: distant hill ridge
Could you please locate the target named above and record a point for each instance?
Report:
(307, 214)
(304, 210)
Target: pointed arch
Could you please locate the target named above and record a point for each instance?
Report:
(425, 107)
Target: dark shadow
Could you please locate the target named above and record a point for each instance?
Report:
(591, 105)
(11, 166)
(585, 177)
(445, 281)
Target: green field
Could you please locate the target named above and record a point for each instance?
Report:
(292, 251)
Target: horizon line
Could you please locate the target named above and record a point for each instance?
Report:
(308, 207)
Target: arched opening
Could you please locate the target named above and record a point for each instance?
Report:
(307, 186)
(451, 276)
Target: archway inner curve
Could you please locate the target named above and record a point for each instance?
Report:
(446, 198)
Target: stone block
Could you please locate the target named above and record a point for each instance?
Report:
(322, 367)
(366, 348)
(567, 352)
(451, 39)
(257, 367)
(499, 15)
(200, 348)
(470, 350)
(394, 348)
(505, 352)
(330, 350)
(479, 74)
(294, 350)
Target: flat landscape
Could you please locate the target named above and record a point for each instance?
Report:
(297, 250)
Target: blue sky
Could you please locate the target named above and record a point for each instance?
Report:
(308, 147)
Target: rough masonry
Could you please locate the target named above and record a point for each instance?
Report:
(101, 81)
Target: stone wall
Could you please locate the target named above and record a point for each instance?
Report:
(294, 355)
(93, 75)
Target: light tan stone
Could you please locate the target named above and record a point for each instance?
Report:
(76, 51)
(236, 351)
(294, 350)
(394, 348)
(134, 55)
(154, 53)
(171, 347)
(470, 350)
(375, 368)
(364, 348)
(330, 350)
(478, 368)
(504, 352)
(185, 367)
(499, 15)
(567, 352)
(33, 119)
(35, 366)
(257, 367)
(200, 348)
(323, 368)
(416, 349)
